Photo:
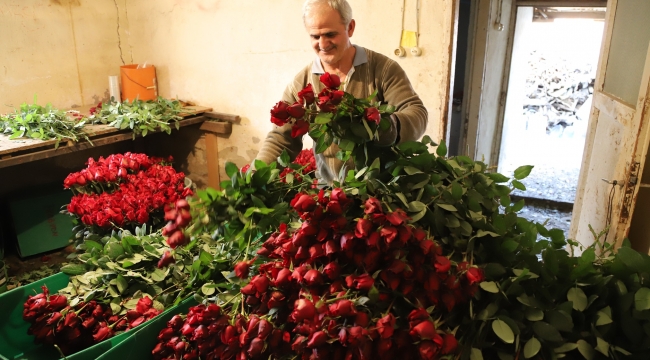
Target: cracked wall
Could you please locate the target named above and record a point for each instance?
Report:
(61, 51)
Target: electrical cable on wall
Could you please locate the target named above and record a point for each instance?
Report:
(409, 38)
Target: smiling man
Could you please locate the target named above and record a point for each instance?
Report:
(330, 26)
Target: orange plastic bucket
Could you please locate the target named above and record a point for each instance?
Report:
(138, 83)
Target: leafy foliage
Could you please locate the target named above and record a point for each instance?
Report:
(43, 123)
(140, 116)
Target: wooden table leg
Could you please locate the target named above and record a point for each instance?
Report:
(212, 154)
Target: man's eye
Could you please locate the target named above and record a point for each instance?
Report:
(315, 37)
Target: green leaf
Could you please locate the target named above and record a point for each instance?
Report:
(566, 347)
(446, 207)
(523, 171)
(503, 331)
(518, 185)
(578, 297)
(158, 275)
(93, 245)
(531, 348)
(547, 332)
(498, 178)
(346, 145)
(489, 286)
(642, 299)
(208, 289)
(121, 284)
(74, 269)
(231, 169)
(602, 346)
(533, 314)
(585, 349)
(476, 354)
(284, 159)
(604, 317)
(442, 149)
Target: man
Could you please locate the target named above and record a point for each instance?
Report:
(330, 26)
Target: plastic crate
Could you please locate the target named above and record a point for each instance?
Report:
(16, 344)
(139, 345)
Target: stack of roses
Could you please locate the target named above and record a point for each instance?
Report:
(333, 116)
(137, 189)
(73, 328)
(345, 284)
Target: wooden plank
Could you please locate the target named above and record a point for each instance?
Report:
(212, 155)
(105, 139)
(217, 127)
(94, 130)
(563, 3)
(221, 116)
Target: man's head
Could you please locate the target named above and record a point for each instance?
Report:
(330, 25)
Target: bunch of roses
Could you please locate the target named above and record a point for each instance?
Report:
(178, 217)
(327, 101)
(307, 162)
(137, 197)
(74, 328)
(111, 169)
(338, 288)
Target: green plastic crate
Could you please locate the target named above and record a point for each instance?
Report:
(38, 224)
(16, 344)
(139, 346)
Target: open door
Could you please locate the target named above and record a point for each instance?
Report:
(617, 137)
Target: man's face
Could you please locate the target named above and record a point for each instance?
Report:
(329, 36)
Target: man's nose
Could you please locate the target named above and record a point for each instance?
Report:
(322, 43)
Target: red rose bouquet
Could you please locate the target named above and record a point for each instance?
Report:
(124, 190)
(334, 116)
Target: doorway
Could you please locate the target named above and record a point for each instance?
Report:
(550, 88)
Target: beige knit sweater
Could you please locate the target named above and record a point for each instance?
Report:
(378, 73)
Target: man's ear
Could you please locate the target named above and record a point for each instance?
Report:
(351, 28)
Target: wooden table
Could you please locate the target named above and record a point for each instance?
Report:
(22, 150)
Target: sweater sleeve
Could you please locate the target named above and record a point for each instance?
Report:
(279, 138)
(396, 90)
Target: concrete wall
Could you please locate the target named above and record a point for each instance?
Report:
(234, 56)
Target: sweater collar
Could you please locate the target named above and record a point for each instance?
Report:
(360, 57)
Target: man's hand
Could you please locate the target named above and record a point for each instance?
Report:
(391, 135)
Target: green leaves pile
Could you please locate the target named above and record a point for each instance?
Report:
(43, 123)
(140, 116)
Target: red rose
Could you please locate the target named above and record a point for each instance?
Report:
(331, 81)
(475, 275)
(296, 110)
(303, 203)
(166, 260)
(442, 264)
(386, 326)
(343, 307)
(300, 128)
(449, 344)
(424, 330)
(241, 269)
(372, 114)
(428, 350)
(361, 282)
(332, 270)
(363, 228)
(102, 334)
(279, 111)
(397, 217)
(313, 277)
(143, 305)
(317, 339)
(256, 347)
(306, 95)
(303, 309)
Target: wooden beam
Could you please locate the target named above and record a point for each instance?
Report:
(212, 157)
(221, 116)
(217, 127)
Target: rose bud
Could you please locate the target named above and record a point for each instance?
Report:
(306, 95)
(356, 335)
(264, 329)
(166, 260)
(261, 283)
(242, 268)
(54, 318)
(332, 270)
(143, 304)
(191, 355)
(71, 319)
(187, 329)
(397, 217)
(372, 205)
(313, 277)
(303, 309)
(89, 323)
(317, 339)
(179, 348)
(249, 289)
(303, 203)
(279, 111)
(169, 228)
(332, 247)
(296, 110)
(137, 321)
(176, 239)
(475, 275)
(428, 350)
(442, 264)
(299, 273)
(373, 239)
(389, 234)
(361, 282)
(449, 300)
(171, 215)
(58, 302)
(256, 347)
(386, 326)
(103, 333)
(277, 300)
(449, 344)
(343, 307)
(158, 350)
(427, 246)
(363, 228)
(331, 81)
(166, 334)
(201, 332)
(423, 330)
(184, 217)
